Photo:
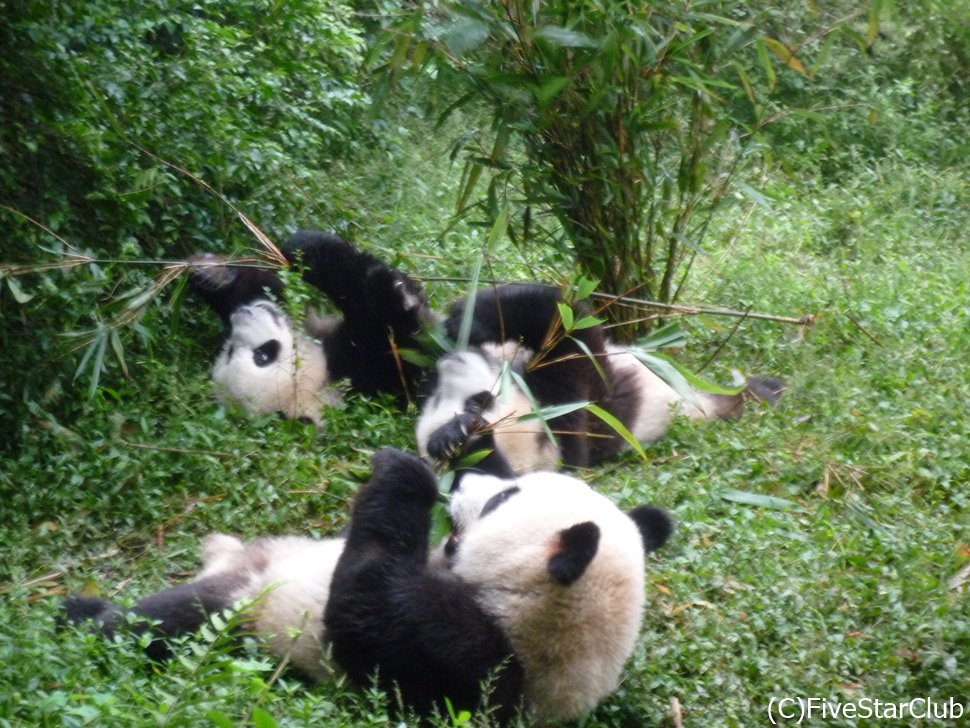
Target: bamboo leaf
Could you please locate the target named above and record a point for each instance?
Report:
(756, 499)
(263, 719)
(566, 314)
(473, 172)
(785, 55)
(19, 295)
(565, 38)
(746, 83)
(667, 336)
(875, 9)
(468, 315)
(666, 370)
(553, 411)
(766, 65)
(619, 428)
(586, 322)
(119, 350)
(547, 89)
(533, 402)
(751, 192)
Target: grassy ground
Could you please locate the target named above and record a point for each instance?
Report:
(840, 590)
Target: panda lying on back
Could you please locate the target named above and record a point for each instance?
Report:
(540, 590)
(472, 409)
(267, 365)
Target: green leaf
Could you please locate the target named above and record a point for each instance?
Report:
(468, 315)
(119, 350)
(553, 411)
(746, 83)
(219, 719)
(785, 54)
(757, 499)
(566, 314)
(875, 9)
(751, 192)
(263, 719)
(667, 336)
(464, 35)
(565, 38)
(766, 65)
(620, 430)
(440, 520)
(547, 89)
(533, 402)
(19, 295)
(586, 322)
(666, 370)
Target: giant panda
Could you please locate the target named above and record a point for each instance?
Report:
(542, 595)
(268, 365)
(538, 594)
(471, 406)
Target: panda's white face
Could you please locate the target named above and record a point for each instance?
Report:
(266, 368)
(573, 634)
(467, 379)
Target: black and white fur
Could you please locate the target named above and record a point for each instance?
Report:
(268, 365)
(543, 593)
(538, 595)
(281, 583)
(472, 407)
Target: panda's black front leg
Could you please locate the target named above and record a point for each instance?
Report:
(416, 629)
(456, 445)
(449, 439)
(225, 287)
(393, 511)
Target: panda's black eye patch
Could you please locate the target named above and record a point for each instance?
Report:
(498, 499)
(478, 403)
(266, 354)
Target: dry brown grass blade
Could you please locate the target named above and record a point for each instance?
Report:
(275, 255)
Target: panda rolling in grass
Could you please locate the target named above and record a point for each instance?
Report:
(543, 591)
(268, 365)
(535, 603)
(473, 407)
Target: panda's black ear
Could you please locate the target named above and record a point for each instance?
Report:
(655, 524)
(576, 549)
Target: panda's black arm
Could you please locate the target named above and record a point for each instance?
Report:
(421, 631)
(416, 628)
(227, 287)
(393, 510)
(461, 449)
(176, 611)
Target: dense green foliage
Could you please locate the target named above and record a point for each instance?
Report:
(841, 589)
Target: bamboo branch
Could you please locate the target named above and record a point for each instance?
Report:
(806, 320)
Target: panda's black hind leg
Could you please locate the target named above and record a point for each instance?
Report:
(225, 287)
(176, 611)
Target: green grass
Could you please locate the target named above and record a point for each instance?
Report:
(843, 595)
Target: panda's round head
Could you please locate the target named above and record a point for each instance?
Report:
(562, 569)
(267, 367)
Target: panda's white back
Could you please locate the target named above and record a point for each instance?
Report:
(572, 640)
(289, 577)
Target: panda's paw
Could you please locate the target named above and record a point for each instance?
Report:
(396, 472)
(209, 271)
(448, 440)
(393, 291)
